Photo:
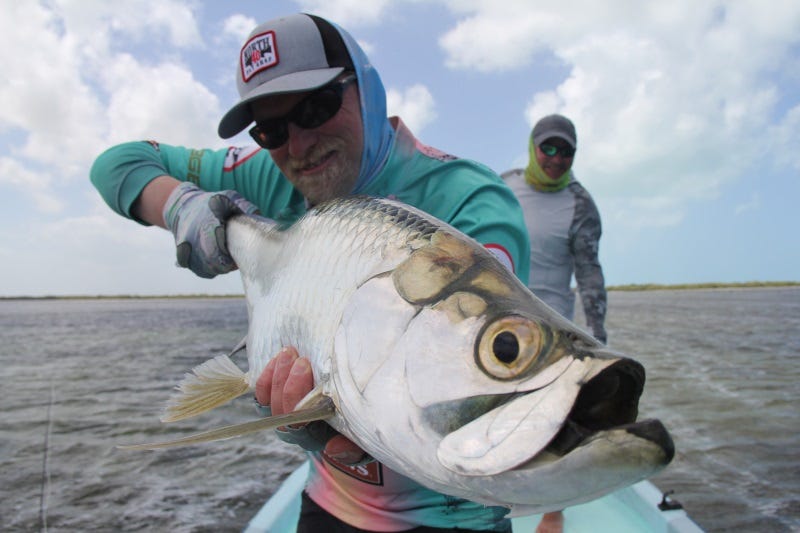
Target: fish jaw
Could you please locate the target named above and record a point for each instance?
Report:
(591, 393)
(599, 448)
(515, 431)
(603, 463)
(614, 460)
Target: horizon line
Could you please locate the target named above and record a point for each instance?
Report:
(625, 287)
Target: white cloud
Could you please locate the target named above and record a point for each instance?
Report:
(415, 105)
(667, 98)
(98, 253)
(238, 27)
(162, 101)
(42, 91)
(367, 47)
(168, 22)
(54, 55)
(786, 136)
(634, 215)
(497, 36)
(36, 185)
(751, 205)
(346, 13)
(69, 90)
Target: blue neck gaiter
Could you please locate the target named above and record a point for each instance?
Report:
(378, 132)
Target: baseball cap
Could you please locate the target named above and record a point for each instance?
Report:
(290, 54)
(554, 126)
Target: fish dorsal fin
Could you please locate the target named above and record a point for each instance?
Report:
(209, 385)
(321, 410)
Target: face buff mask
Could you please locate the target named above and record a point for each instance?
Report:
(378, 132)
(537, 178)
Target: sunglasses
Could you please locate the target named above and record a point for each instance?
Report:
(549, 150)
(311, 112)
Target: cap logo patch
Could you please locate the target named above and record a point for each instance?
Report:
(259, 53)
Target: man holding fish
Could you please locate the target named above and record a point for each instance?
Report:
(322, 132)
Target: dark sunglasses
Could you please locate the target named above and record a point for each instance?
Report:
(549, 150)
(311, 112)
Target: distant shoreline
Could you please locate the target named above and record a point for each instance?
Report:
(629, 288)
(694, 286)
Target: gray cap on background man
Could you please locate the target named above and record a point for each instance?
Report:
(554, 126)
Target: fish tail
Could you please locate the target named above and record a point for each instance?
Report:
(209, 385)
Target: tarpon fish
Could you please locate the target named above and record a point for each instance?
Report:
(433, 357)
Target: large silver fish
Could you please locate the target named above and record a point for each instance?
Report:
(434, 358)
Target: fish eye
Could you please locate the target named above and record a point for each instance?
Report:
(505, 347)
(509, 346)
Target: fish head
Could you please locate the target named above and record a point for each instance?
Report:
(508, 402)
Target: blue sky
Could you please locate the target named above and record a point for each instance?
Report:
(688, 118)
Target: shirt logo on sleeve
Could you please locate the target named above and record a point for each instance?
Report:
(502, 255)
(237, 155)
(259, 53)
(195, 163)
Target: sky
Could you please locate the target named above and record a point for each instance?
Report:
(687, 112)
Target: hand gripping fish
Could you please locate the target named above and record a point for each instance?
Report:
(433, 357)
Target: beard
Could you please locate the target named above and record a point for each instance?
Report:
(336, 178)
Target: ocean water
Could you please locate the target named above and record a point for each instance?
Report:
(81, 376)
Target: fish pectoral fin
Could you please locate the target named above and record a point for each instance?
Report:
(209, 385)
(321, 408)
(320, 411)
(313, 399)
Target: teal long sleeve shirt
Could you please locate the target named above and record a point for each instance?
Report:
(463, 193)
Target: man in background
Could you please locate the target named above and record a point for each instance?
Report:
(564, 227)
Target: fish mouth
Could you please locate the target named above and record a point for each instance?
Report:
(572, 416)
(610, 401)
(599, 448)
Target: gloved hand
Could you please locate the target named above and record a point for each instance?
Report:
(197, 219)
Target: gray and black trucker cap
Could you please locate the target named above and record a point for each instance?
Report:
(285, 55)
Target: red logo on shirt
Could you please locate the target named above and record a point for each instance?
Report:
(239, 154)
(371, 473)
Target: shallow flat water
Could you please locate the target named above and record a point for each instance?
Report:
(80, 376)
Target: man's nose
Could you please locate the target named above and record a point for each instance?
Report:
(300, 140)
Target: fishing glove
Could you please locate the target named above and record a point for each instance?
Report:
(312, 437)
(197, 219)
